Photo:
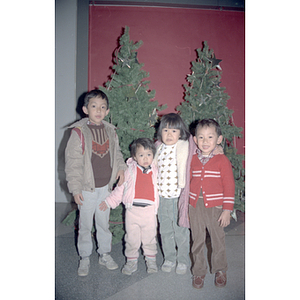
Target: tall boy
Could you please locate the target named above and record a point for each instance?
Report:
(212, 192)
(93, 163)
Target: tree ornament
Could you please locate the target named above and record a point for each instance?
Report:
(215, 62)
(153, 118)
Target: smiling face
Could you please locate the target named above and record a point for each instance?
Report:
(207, 139)
(96, 110)
(170, 136)
(143, 157)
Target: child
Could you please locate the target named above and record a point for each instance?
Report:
(171, 159)
(212, 192)
(140, 197)
(93, 163)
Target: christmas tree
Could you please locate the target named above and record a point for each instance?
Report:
(204, 98)
(132, 109)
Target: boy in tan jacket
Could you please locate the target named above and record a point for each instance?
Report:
(93, 163)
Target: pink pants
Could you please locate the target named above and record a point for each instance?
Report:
(141, 228)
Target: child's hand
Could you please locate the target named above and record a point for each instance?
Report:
(103, 206)
(77, 199)
(122, 177)
(224, 218)
(218, 150)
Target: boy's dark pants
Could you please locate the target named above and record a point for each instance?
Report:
(200, 219)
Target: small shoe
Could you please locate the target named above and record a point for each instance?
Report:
(84, 266)
(151, 266)
(168, 266)
(107, 260)
(130, 267)
(220, 279)
(198, 282)
(181, 268)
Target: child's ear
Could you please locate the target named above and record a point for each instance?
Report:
(220, 138)
(195, 140)
(85, 110)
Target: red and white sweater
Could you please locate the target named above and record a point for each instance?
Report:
(215, 178)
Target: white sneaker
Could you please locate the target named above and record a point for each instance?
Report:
(181, 269)
(84, 266)
(151, 266)
(168, 266)
(130, 267)
(107, 260)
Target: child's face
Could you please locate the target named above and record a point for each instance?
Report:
(207, 139)
(96, 110)
(143, 157)
(170, 136)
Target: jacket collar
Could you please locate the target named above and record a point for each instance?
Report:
(82, 122)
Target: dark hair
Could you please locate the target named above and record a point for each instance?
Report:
(94, 94)
(173, 121)
(209, 123)
(145, 142)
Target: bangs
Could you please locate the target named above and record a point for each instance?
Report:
(173, 123)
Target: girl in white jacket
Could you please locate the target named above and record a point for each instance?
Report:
(139, 194)
(171, 159)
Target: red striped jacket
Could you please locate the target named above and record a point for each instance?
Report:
(215, 178)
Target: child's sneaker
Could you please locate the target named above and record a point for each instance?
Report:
(84, 266)
(198, 282)
(107, 260)
(220, 279)
(151, 266)
(181, 269)
(130, 267)
(168, 266)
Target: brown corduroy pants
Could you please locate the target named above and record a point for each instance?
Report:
(200, 219)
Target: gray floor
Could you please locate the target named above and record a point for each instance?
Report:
(113, 285)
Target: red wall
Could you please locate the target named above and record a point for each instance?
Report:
(170, 38)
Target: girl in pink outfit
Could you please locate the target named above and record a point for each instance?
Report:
(139, 194)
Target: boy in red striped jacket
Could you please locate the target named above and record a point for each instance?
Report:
(211, 199)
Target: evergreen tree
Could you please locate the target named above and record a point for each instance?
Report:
(131, 109)
(204, 98)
